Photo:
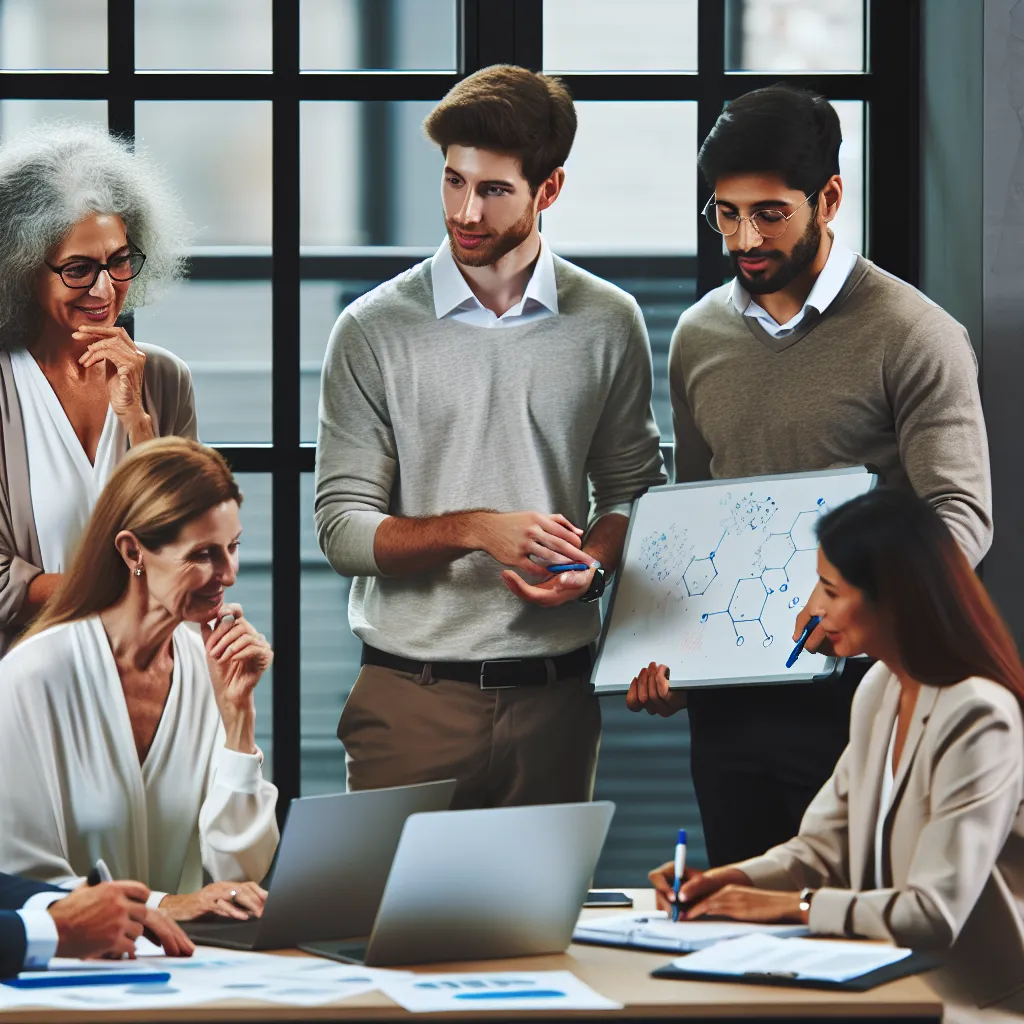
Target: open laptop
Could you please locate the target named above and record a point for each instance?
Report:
(478, 885)
(332, 865)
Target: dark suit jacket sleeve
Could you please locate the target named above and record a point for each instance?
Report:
(14, 891)
(12, 943)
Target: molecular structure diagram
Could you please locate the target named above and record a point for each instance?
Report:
(750, 595)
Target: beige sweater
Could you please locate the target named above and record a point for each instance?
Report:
(883, 377)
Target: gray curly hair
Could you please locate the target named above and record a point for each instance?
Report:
(52, 176)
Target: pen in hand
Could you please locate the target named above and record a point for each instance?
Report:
(99, 873)
(680, 870)
(812, 625)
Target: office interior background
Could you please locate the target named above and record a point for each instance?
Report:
(292, 130)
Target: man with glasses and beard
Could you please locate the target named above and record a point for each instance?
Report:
(466, 407)
(811, 358)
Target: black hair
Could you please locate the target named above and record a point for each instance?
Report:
(780, 130)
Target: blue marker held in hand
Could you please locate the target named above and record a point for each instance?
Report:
(569, 567)
(811, 626)
(679, 869)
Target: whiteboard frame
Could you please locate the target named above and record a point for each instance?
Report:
(834, 666)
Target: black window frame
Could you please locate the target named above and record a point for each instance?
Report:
(488, 33)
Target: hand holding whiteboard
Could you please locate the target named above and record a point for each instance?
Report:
(712, 577)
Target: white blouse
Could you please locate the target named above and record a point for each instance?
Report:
(884, 799)
(72, 789)
(63, 483)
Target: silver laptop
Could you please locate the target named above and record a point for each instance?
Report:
(332, 866)
(478, 885)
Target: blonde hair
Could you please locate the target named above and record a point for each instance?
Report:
(159, 487)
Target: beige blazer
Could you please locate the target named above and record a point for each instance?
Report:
(168, 398)
(953, 836)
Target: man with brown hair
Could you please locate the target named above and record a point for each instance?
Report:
(466, 406)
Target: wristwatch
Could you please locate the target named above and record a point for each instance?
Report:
(806, 895)
(596, 588)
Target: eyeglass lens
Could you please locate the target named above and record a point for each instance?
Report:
(726, 221)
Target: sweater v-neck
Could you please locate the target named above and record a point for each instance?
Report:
(812, 318)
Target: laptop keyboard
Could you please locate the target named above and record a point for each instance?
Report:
(234, 931)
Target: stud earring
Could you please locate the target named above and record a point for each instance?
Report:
(138, 570)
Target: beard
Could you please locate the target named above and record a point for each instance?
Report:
(494, 247)
(789, 268)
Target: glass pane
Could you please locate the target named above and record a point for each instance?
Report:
(377, 35)
(217, 154)
(53, 35)
(17, 115)
(196, 35)
(369, 176)
(222, 330)
(630, 181)
(849, 222)
(329, 660)
(596, 35)
(789, 35)
(253, 590)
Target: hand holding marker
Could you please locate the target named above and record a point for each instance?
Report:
(812, 625)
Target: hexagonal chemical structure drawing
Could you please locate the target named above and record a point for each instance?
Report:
(804, 532)
(699, 575)
(775, 580)
(777, 550)
(748, 600)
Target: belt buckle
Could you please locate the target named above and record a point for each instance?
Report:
(497, 661)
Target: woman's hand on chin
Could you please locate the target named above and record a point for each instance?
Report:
(238, 900)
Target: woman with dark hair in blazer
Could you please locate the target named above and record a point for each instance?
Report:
(918, 837)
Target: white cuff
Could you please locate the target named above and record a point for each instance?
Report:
(239, 772)
(154, 899)
(40, 937)
(42, 900)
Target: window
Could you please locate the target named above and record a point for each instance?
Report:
(293, 131)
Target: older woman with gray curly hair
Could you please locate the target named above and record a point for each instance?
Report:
(88, 230)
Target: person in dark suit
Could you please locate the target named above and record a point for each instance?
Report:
(40, 921)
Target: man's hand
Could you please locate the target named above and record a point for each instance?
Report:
(511, 538)
(163, 930)
(100, 920)
(817, 642)
(649, 691)
(560, 588)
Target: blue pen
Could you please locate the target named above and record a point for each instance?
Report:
(680, 869)
(568, 567)
(808, 630)
(67, 979)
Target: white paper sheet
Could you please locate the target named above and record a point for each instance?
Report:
(813, 959)
(489, 992)
(654, 930)
(210, 975)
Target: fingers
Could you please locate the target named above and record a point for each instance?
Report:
(133, 890)
(652, 691)
(166, 933)
(219, 646)
(559, 518)
(226, 908)
(662, 878)
(816, 639)
(251, 900)
(802, 618)
(633, 701)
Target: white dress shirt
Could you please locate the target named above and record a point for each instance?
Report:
(884, 799)
(454, 299)
(58, 467)
(837, 269)
(40, 931)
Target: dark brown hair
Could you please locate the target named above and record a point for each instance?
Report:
(160, 487)
(892, 546)
(508, 109)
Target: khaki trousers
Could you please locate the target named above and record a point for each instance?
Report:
(529, 745)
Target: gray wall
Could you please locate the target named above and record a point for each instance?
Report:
(972, 148)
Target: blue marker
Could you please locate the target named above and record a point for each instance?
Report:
(680, 869)
(569, 567)
(808, 630)
(68, 979)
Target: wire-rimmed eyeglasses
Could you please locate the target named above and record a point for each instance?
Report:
(726, 219)
(83, 273)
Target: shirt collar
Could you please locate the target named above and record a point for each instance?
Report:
(452, 291)
(829, 283)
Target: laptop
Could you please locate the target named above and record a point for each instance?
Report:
(482, 884)
(332, 865)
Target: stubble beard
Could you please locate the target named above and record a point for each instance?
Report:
(495, 248)
(790, 267)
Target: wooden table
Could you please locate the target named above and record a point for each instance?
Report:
(618, 974)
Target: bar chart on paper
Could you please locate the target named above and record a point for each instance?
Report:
(713, 577)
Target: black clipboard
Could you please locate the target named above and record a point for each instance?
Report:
(916, 963)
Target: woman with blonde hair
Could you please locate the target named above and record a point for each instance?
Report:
(88, 231)
(127, 735)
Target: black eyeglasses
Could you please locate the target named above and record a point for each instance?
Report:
(83, 273)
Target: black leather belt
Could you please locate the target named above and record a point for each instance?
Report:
(499, 674)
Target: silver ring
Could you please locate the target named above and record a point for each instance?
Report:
(234, 893)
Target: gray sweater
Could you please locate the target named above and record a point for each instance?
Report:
(420, 416)
(884, 376)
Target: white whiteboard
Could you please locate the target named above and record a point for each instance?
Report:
(712, 577)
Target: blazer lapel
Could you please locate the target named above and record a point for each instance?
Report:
(864, 812)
